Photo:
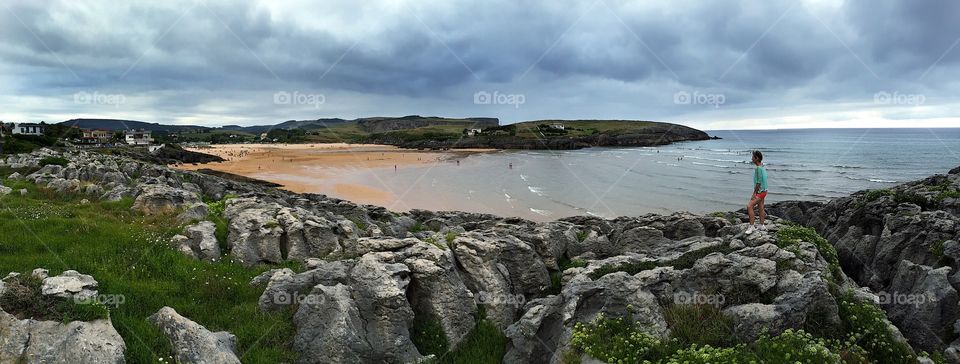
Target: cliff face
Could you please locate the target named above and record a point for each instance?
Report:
(902, 242)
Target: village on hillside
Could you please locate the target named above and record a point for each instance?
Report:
(17, 137)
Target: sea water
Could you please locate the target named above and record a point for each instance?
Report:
(700, 176)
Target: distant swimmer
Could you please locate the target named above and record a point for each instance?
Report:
(458, 162)
(511, 165)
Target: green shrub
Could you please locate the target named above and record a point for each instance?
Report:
(418, 227)
(866, 325)
(873, 195)
(712, 355)
(630, 268)
(947, 194)
(792, 235)
(911, 197)
(794, 346)
(566, 263)
(582, 235)
(13, 145)
(59, 161)
(616, 340)
(451, 236)
(937, 248)
(685, 261)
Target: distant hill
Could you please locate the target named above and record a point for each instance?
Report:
(118, 125)
(372, 124)
(382, 125)
(289, 125)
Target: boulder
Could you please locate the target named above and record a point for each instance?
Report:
(31, 341)
(70, 284)
(193, 343)
(368, 320)
(4, 190)
(160, 199)
(199, 241)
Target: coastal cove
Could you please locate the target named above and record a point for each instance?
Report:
(696, 176)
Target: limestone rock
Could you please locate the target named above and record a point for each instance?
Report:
(193, 343)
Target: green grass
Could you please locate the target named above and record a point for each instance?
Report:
(129, 255)
(215, 214)
(699, 324)
(427, 335)
(486, 344)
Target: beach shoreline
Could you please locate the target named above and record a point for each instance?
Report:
(325, 168)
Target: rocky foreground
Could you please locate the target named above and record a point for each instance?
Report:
(369, 275)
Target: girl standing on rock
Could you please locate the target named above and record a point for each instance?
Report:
(759, 192)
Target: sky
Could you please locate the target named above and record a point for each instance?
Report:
(735, 64)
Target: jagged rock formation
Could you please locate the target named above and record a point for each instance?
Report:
(371, 275)
(903, 244)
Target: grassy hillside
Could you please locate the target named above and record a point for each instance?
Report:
(128, 254)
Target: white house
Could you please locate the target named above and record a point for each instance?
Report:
(27, 129)
(558, 126)
(138, 137)
(472, 132)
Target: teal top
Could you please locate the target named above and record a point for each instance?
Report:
(760, 176)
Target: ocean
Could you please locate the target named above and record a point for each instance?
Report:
(699, 176)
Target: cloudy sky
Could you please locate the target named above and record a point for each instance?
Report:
(709, 64)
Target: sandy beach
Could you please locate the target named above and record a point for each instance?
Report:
(324, 168)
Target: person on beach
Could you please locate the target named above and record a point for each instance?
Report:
(759, 192)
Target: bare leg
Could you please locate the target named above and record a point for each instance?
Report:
(750, 210)
(763, 213)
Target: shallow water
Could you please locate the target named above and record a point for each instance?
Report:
(701, 177)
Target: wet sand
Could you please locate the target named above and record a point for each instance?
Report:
(324, 168)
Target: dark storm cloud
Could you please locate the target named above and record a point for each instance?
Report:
(427, 57)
